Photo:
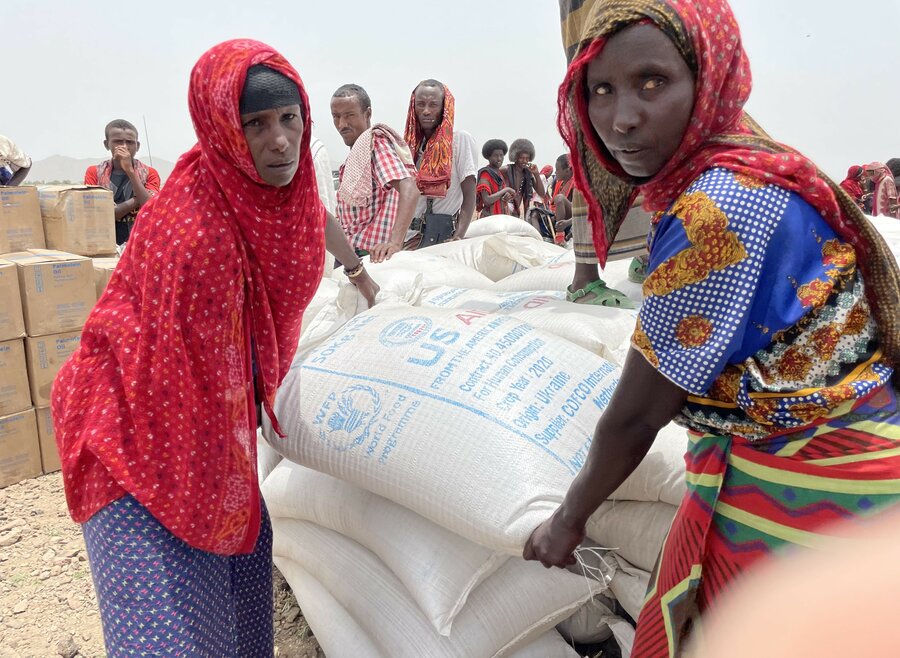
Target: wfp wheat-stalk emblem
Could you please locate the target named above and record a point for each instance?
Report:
(345, 418)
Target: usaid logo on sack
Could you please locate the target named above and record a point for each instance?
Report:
(405, 331)
(345, 419)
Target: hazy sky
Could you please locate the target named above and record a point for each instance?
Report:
(825, 79)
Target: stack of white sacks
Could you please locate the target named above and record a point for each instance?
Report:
(427, 437)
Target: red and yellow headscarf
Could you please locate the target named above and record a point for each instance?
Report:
(437, 162)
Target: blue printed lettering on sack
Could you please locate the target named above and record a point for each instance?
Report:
(428, 354)
(447, 297)
(387, 433)
(527, 300)
(329, 348)
(383, 425)
(498, 380)
(504, 372)
(393, 439)
(358, 418)
(583, 390)
(577, 460)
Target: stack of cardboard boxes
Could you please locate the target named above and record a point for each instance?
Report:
(45, 298)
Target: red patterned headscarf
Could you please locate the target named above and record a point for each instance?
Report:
(720, 134)
(884, 190)
(280, 231)
(437, 161)
(851, 183)
(158, 401)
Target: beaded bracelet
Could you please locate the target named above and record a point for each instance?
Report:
(355, 272)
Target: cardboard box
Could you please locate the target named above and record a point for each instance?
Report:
(20, 450)
(14, 392)
(57, 290)
(20, 219)
(103, 269)
(12, 324)
(45, 355)
(79, 219)
(47, 440)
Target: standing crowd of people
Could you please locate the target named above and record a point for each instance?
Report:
(770, 326)
(873, 187)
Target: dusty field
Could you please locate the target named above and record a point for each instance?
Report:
(47, 602)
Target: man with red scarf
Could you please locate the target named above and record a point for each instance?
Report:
(447, 160)
(130, 180)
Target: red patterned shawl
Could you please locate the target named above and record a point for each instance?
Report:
(157, 403)
(437, 162)
(851, 184)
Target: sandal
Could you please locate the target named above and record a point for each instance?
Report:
(603, 295)
(637, 270)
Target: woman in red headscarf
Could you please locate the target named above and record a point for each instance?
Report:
(884, 190)
(770, 326)
(853, 185)
(156, 414)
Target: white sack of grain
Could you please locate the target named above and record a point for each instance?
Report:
(479, 427)
(508, 611)
(438, 568)
(498, 256)
(501, 224)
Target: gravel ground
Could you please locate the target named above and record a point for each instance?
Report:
(47, 602)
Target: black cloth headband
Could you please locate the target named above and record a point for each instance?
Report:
(267, 89)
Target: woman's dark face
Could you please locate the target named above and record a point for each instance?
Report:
(640, 99)
(274, 139)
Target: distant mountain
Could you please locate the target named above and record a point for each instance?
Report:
(63, 169)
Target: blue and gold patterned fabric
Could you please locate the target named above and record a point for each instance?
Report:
(755, 307)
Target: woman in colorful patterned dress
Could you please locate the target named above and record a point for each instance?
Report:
(156, 414)
(770, 326)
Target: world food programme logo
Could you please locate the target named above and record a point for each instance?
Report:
(405, 331)
(355, 411)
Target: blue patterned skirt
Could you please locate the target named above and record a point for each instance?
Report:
(158, 596)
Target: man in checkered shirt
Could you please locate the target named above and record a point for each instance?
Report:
(375, 220)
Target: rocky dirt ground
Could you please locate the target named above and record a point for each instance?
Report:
(47, 602)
